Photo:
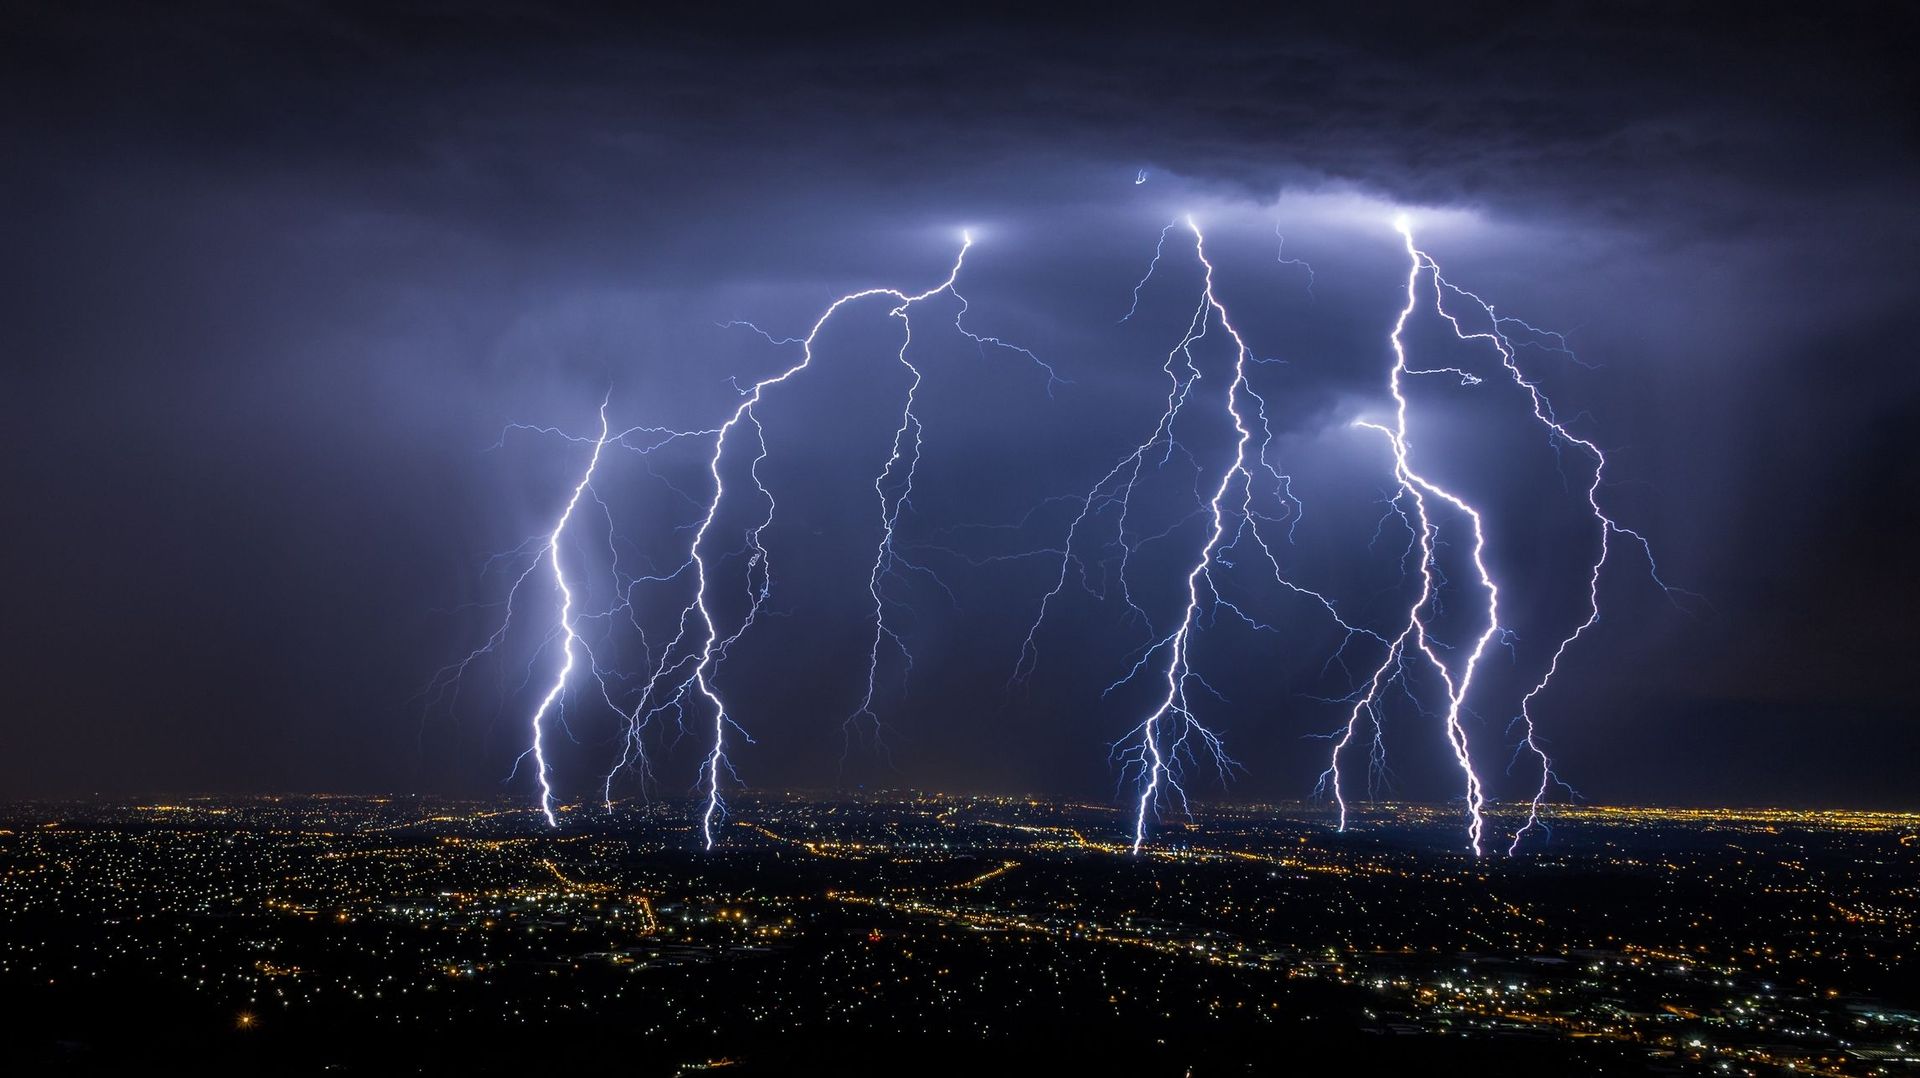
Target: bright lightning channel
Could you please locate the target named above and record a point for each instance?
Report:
(545, 549)
(1416, 489)
(697, 663)
(1606, 527)
(570, 638)
(1170, 733)
(1155, 747)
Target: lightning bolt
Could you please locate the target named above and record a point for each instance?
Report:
(1416, 489)
(1606, 527)
(565, 627)
(569, 637)
(1156, 747)
(1156, 750)
(1159, 749)
(896, 494)
(698, 662)
(1280, 256)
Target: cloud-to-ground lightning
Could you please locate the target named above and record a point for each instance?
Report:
(1422, 493)
(1155, 748)
(1416, 489)
(693, 665)
(565, 627)
(1606, 527)
(569, 638)
(1227, 507)
(1159, 747)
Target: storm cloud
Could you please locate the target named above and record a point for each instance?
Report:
(275, 281)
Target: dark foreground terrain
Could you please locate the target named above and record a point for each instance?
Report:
(930, 934)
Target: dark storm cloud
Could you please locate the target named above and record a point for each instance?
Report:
(275, 278)
(1614, 109)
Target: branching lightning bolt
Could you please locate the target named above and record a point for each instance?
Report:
(1170, 733)
(1417, 489)
(698, 662)
(1160, 750)
(567, 628)
(1280, 256)
(570, 638)
(1154, 753)
(1605, 526)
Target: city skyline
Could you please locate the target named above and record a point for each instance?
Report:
(450, 935)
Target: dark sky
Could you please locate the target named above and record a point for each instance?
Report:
(276, 277)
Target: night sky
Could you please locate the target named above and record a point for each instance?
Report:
(276, 278)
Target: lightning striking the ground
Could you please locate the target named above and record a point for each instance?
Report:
(1160, 749)
(687, 665)
(1171, 735)
(1605, 526)
(1280, 256)
(1235, 508)
(570, 639)
(565, 627)
(1426, 499)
